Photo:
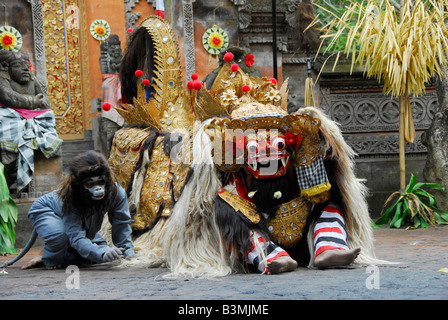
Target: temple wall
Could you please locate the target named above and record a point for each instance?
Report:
(66, 57)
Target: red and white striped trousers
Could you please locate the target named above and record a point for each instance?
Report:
(329, 233)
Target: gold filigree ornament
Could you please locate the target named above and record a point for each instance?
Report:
(170, 107)
(239, 204)
(287, 226)
(125, 153)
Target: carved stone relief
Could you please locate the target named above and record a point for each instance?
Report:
(111, 55)
(39, 43)
(255, 21)
(374, 112)
(187, 15)
(132, 17)
(370, 120)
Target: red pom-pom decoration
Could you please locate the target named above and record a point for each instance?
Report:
(228, 56)
(197, 85)
(234, 67)
(130, 30)
(190, 85)
(245, 88)
(194, 76)
(273, 80)
(249, 60)
(146, 82)
(138, 73)
(106, 106)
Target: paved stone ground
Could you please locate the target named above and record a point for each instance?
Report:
(421, 254)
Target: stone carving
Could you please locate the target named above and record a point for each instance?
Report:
(375, 112)
(132, 17)
(111, 55)
(363, 115)
(383, 144)
(110, 120)
(18, 89)
(26, 120)
(189, 48)
(39, 43)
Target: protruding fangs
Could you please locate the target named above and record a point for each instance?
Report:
(253, 165)
(284, 161)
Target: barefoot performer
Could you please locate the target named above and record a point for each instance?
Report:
(248, 186)
(68, 220)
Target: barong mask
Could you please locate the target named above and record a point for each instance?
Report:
(251, 129)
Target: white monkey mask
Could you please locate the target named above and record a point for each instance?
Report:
(96, 186)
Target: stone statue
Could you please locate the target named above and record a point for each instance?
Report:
(111, 55)
(26, 120)
(110, 61)
(17, 86)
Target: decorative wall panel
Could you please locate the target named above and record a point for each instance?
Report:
(67, 65)
(369, 120)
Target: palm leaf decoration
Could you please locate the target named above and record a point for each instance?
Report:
(403, 50)
(142, 111)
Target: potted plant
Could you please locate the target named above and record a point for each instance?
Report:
(414, 206)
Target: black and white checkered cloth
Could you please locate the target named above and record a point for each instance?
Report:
(312, 175)
(23, 136)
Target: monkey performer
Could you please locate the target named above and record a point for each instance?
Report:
(69, 219)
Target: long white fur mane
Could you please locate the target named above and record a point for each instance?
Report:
(354, 191)
(189, 243)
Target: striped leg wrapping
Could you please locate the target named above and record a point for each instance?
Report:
(263, 251)
(329, 232)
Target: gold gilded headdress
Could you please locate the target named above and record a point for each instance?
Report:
(170, 106)
(238, 102)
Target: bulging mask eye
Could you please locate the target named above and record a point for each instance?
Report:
(279, 143)
(252, 146)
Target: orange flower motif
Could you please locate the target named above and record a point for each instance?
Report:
(100, 30)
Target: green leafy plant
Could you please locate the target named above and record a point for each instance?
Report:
(8, 216)
(415, 205)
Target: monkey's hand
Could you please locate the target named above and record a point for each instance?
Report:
(112, 254)
(133, 256)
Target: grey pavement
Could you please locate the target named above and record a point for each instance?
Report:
(421, 255)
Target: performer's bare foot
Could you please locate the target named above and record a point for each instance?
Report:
(34, 263)
(38, 263)
(281, 264)
(336, 257)
(53, 267)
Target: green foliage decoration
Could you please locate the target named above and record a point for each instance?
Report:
(8, 217)
(414, 205)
